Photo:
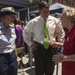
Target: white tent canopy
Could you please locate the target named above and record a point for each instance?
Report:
(57, 6)
(16, 3)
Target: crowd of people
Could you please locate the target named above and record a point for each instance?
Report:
(43, 34)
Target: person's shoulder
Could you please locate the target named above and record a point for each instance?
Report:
(17, 25)
(54, 19)
(34, 20)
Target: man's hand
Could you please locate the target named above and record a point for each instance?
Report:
(34, 46)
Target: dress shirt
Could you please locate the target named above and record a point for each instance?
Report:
(36, 26)
(7, 39)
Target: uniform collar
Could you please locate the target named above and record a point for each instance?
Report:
(1, 25)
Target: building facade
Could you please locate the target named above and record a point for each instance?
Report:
(70, 3)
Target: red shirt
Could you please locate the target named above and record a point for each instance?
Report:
(68, 68)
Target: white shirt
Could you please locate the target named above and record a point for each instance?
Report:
(36, 26)
(7, 38)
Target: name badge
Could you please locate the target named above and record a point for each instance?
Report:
(12, 34)
(68, 39)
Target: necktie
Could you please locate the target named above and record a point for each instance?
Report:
(46, 43)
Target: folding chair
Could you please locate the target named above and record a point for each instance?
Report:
(21, 53)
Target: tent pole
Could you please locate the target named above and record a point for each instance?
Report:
(18, 15)
(50, 2)
(28, 14)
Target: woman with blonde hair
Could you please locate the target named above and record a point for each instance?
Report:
(68, 56)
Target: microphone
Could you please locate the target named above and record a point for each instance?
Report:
(32, 36)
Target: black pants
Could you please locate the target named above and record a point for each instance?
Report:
(43, 60)
(8, 64)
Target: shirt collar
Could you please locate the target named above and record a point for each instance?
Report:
(42, 19)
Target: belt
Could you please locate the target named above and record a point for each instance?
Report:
(37, 43)
(10, 53)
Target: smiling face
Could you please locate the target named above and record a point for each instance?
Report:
(66, 22)
(68, 17)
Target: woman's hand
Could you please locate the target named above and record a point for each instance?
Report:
(58, 58)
